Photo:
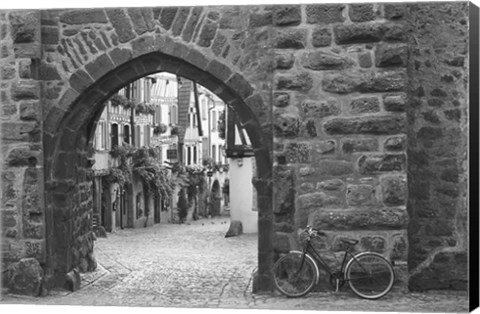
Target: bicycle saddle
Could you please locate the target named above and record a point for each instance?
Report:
(349, 241)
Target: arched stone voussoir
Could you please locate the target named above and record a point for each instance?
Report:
(240, 85)
(100, 66)
(146, 44)
(175, 48)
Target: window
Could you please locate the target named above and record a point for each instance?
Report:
(147, 135)
(137, 136)
(173, 115)
(195, 161)
(138, 203)
(214, 121)
(126, 134)
(114, 135)
(204, 108)
(214, 153)
(189, 155)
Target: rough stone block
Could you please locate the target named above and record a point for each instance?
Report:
(361, 12)
(167, 16)
(50, 35)
(394, 11)
(191, 23)
(24, 90)
(377, 125)
(231, 19)
(207, 34)
(298, 153)
(373, 244)
(99, 67)
(138, 20)
(299, 82)
(394, 190)
(334, 167)
(73, 280)
(8, 72)
(25, 277)
(395, 32)
(284, 61)
(321, 37)
(121, 24)
(286, 123)
(235, 229)
(360, 219)
(218, 44)
(373, 164)
(357, 33)
(331, 185)
(316, 200)
(324, 147)
(19, 157)
(395, 143)
(343, 83)
(281, 100)
(287, 15)
(281, 242)
(84, 16)
(80, 80)
(290, 39)
(365, 105)
(306, 171)
(25, 26)
(359, 145)
(9, 219)
(284, 191)
(400, 249)
(260, 19)
(391, 55)
(48, 72)
(320, 61)
(320, 109)
(365, 60)
(325, 13)
(19, 131)
(394, 103)
(383, 82)
(361, 195)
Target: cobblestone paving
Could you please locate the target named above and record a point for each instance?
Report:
(194, 265)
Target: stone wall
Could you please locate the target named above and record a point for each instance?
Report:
(22, 210)
(437, 146)
(340, 126)
(340, 95)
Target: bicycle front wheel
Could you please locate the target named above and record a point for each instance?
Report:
(370, 275)
(294, 274)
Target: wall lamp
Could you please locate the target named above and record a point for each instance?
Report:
(240, 162)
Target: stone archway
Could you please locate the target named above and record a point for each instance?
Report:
(67, 161)
(372, 60)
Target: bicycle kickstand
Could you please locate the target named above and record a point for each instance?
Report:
(337, 283)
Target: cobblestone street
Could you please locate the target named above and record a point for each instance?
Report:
(194, 265)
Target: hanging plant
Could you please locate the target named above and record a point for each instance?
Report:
(144, 108)
(175, 130)
(160, 129)
(118, 100)
(129, 104)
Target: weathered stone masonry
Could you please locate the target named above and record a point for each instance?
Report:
(360, 109)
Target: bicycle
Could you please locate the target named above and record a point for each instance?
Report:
(369, 274)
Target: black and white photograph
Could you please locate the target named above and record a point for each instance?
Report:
(244, 156)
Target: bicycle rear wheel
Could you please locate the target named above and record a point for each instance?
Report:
(370, 275)
(295, 274)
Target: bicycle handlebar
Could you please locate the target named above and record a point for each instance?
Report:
(313, 232)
